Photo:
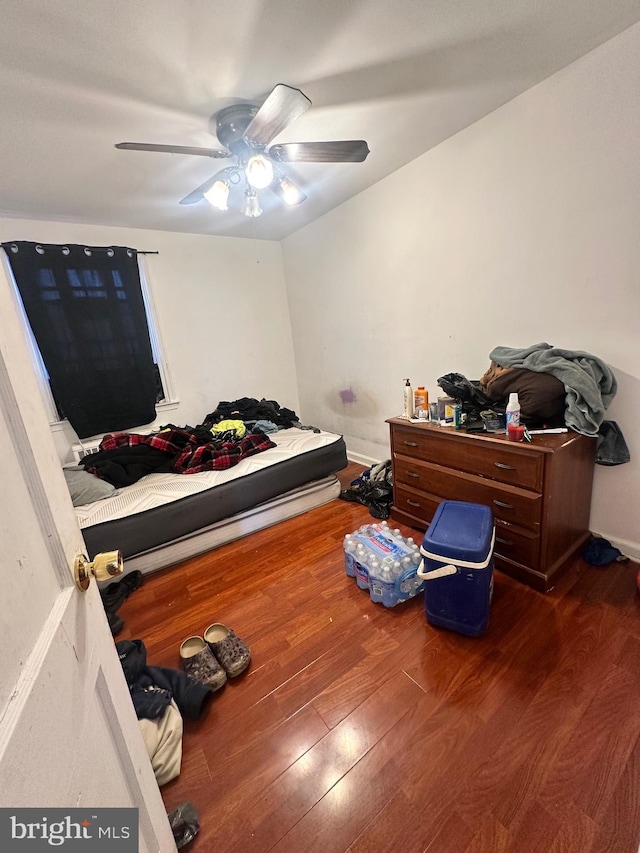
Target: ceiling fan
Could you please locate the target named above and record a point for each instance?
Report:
(246, 131)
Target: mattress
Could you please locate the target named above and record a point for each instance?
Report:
(162, 508)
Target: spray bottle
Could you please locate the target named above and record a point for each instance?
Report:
(408, 399)
(512, 413)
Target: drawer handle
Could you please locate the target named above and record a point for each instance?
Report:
(413, 503)
(411, 443)
(503, 505)
(503, 541)
(504, 467)
(412, 474)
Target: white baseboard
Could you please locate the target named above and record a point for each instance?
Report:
(629, 549)
(361, 460)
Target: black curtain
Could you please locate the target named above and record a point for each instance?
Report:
(85, 307)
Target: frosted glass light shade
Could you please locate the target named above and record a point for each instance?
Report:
(259, 171)
(251, 206)
(218, 195)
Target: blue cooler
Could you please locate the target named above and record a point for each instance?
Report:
(457, 567)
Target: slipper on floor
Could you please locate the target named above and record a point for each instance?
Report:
(232, 652)
(199, 662)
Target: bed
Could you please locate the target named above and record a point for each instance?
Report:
(165, 518)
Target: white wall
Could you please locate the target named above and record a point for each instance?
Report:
(523, 228)
(222, 313)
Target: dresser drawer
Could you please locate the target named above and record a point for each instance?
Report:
(419, 505)
(497, 459)
(517, 544)
(509, 503)
(514, 543)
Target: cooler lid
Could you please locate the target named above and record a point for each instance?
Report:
(460, 531)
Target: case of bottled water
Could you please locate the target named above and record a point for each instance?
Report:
(384, 562)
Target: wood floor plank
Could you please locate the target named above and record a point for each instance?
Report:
(365, 729)
(490, 837)
(619, 828)
(588, 769)
(308, 780)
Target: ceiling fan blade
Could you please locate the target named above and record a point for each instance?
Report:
(344, 151)
(283, 105)
(198, 194)
(216, 153)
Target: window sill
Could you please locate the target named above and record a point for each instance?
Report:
(167, 406)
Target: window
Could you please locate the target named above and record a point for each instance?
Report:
(93, 335)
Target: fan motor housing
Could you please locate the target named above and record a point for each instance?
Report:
(231, 123)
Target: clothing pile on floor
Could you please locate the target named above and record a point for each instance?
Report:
(162, 697)
(115, 595)
(373, 489)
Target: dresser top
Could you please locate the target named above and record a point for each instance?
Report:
(541, 443)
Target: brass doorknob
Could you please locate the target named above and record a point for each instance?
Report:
(104, 566)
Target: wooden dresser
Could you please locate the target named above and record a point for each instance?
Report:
(540, 493)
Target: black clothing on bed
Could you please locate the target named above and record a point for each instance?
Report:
(123, 466)
(250, 409)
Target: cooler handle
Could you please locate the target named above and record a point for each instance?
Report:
(442, 572)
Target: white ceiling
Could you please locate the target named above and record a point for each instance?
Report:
(77, 76)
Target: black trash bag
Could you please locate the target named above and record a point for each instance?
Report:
(373, 489)
(184, 824)
(465, 391)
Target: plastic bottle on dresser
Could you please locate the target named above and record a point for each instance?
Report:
(512, 412)
(408, 399)
(421, 402)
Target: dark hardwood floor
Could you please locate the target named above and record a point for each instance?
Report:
(364, 729)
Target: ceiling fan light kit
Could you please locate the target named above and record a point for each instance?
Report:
(251, 206)
(259, 171)
(289, 192)
(246, 130)
(218, 195)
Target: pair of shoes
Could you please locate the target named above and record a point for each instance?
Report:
(220, 654)
(115, 595)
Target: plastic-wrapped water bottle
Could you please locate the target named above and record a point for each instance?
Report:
(349, 544)
(378, 556)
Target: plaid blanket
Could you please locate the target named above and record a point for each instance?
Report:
(188, 455)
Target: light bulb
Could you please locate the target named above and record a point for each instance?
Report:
(259, 171)
(251, 206)
(290, 192)
(218, 194)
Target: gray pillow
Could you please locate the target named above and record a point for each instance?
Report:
(85, 487)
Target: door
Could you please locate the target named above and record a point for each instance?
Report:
(69, 736)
